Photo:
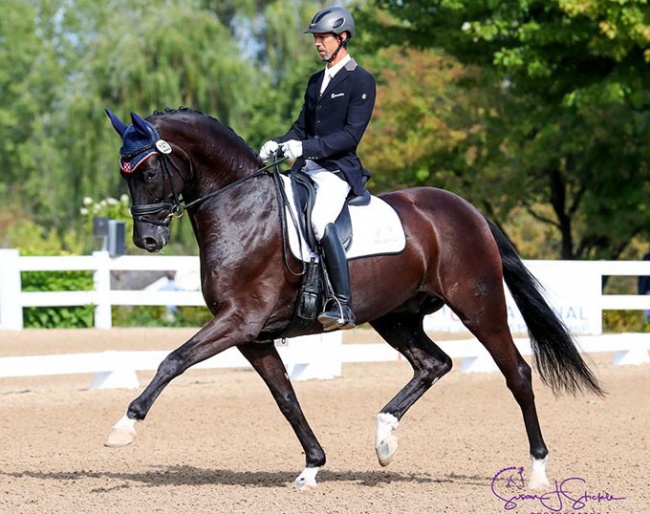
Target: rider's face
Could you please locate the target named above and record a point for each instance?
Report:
(326, 44)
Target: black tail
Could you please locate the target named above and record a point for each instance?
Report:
(554, 350)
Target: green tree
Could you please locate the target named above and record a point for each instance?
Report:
(32, 66)
(570, 125)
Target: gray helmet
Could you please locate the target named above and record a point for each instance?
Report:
(332, 19)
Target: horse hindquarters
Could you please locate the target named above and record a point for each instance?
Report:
(467, 273)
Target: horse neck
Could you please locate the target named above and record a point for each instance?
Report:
(242, 210)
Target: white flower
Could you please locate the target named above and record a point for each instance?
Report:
(83, 211)
(125, 199)
(111, 201)
(87, 200)
(466, 26)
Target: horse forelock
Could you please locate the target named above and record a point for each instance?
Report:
(211, 129)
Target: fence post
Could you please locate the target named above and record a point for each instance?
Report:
(11, 308)
(102, 280)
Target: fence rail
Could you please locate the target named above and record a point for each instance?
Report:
(13, 299)
(303, 361)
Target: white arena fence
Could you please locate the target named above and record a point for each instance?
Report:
(573, 289)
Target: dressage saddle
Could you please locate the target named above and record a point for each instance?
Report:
(304, 193)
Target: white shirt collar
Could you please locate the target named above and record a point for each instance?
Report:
(338, 66)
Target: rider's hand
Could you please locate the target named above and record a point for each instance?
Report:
(292, 149)
(268, 149)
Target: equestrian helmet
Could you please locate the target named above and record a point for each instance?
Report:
(333, 19)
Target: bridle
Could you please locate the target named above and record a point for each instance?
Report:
(177, 207)
(142, 212)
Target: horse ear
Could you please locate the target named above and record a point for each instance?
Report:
(118, 124)
(140, 125)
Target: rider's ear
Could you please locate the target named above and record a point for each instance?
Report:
(118, 124)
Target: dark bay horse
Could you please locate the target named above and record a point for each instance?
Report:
(453, 256)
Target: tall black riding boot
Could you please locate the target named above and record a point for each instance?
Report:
(338, 313)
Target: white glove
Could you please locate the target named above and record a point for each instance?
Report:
(292, 149)
(268, 149)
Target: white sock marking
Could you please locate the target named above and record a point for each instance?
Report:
(125, 424)
(386, 423)
(538, 479)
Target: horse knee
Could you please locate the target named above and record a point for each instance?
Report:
(433, 369)
(171, 366)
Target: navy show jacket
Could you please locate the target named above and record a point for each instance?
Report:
(331, 125)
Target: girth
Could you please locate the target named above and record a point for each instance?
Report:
(304, 194)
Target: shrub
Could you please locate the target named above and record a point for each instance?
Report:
(58, 317)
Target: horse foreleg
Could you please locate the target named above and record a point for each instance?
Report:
(123, 432)
(404, 332)
(265, 360)
(212, 339)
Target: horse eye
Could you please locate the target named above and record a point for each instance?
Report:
(150, 175)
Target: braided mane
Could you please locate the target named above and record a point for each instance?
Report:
(215, 124)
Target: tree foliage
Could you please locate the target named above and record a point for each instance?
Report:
(572, 120)
(530, 106)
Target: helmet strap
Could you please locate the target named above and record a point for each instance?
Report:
(343, 43)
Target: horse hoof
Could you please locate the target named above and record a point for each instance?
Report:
(538, 480)
(307, 480)
(386, 450)
(119, 438)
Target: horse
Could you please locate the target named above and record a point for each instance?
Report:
(453, 255)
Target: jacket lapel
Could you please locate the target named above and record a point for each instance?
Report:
(342, 75)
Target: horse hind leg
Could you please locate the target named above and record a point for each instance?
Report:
(487, 320)
(404, 332)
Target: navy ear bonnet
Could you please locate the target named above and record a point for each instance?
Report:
(139, 141)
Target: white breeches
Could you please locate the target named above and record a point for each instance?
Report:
(331, 192)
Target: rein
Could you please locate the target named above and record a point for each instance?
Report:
(178, 207)
(228, 187)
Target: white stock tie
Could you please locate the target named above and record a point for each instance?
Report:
(326, 80)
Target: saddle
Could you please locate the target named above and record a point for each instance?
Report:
(304, 194)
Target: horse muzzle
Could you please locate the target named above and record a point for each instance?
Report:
(151, 225)
(149, 236)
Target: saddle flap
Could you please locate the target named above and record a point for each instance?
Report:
(304, 194)
(377, 228)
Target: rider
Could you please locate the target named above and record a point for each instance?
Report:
(323, 142)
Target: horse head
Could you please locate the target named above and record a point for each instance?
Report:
(198, 159)
(154, 177)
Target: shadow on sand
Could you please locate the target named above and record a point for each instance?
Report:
(189, 475)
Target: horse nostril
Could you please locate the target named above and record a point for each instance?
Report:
(150, 242)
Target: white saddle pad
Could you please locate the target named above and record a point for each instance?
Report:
(376, 229)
